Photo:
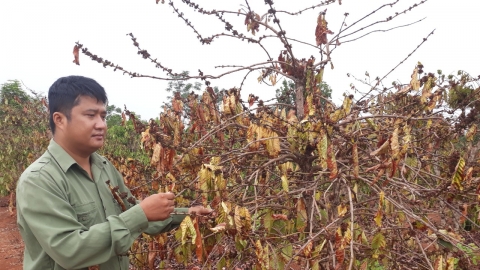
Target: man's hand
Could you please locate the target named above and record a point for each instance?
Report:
(158, 206)
(199, 210)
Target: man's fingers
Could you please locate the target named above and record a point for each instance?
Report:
(169, 195)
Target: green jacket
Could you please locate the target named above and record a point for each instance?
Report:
(69, 221)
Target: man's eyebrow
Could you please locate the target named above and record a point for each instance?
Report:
(96, 111)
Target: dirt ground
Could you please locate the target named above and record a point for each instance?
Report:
(11, 245)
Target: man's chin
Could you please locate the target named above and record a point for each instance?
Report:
(97, 143)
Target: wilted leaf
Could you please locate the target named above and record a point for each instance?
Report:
(406, 139)
(415, 83)
(383, 149)
(307, 251)
(301, 221)
(355, 160)
(76, 59)
(347, 105)
(427, 89)
(279, 217)
(450, 263)
(378, 218)
(220, 227)
(458, 176)
(322, 149)
(284, 183)
(331, 162)
(364, 265)
(198, 241)
(259, 249)
(321, 30)
(468, 177)
(342, 209)
(394, 144)
(273, 79)
(438, 265)
(378, 241)
(238, 219)
(472, 131)
(310, 106)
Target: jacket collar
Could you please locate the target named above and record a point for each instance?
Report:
(65, 161)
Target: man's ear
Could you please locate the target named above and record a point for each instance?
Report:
(60, 120)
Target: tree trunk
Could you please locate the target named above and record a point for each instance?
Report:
(299, 99)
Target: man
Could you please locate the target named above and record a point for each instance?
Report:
(67, 216)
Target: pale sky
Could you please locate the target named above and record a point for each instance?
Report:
(38, 39)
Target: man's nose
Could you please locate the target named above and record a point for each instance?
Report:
(100, 123)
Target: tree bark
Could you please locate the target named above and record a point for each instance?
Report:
(299, 99)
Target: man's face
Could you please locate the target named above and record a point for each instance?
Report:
(87, 128)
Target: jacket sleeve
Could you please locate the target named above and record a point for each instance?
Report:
(45, 209)
(154, 227)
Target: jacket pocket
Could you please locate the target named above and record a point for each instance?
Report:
(86, 213)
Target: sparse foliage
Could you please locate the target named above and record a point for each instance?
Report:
(389, 179)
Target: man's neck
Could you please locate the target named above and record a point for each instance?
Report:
(82, 159)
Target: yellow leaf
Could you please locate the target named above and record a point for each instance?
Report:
(378, 218)
(307, 251)
(458, 176)
(226, 208)
(319, 248)
(319, 76)
(472, 131)
(342, 209)
(322, 149)
(260, 77)
(191, 227)
(415, 83)
(450, 263)
(381, 199)
(188, 230)
(427, 89)
(156, 154)
(347, 105)
(372, 124)
(406, 139)
(247, 219)
(284, 183)
(394, 144)
(237, 218)
(273, 144)
(259, 249)
(438, 263)
(429, 123)
(226, 105)
(310, 106)
(273, 79)
(183, 227)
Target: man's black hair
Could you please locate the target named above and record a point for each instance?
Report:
(64, 94)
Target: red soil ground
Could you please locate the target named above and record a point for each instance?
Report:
(11, 244)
